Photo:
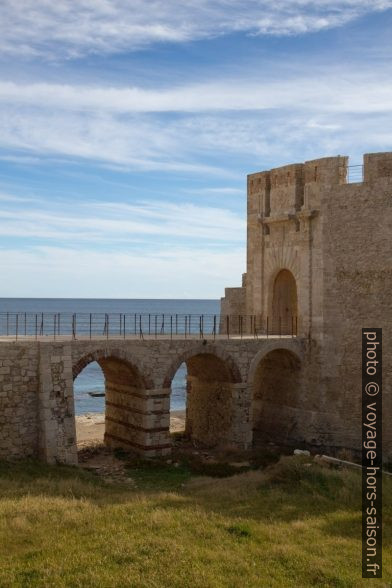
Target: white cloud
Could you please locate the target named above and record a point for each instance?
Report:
(12, 199)
(333, 90)
(216, 191)
(64, 29)
(129, 128)
(171, 273)
(79, 249)
(118, 224)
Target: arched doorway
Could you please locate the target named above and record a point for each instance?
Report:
(284, 304)
(125, 412)
(276, 398)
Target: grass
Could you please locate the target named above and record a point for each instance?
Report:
(292, 524)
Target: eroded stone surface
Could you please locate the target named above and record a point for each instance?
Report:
(334, 239)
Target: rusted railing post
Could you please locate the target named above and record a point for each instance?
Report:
(163, 325)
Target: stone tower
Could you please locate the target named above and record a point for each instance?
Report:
(319, 263)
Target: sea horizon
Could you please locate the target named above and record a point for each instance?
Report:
(91, 379)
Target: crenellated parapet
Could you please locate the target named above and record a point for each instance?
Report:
(377, 166)
(319, 253)
(283, 191)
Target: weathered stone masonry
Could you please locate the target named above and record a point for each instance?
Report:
(335, 241)
(38, 404)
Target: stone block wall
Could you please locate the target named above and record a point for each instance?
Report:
(335, 240)
(357, 293)
(233, 311)
(57, 433)
(37, 402)
(19, 427)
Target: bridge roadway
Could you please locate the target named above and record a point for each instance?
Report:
(37, 414)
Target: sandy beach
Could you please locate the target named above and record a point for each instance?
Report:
(90, 427)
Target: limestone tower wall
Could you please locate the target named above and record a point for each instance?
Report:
(320, 248)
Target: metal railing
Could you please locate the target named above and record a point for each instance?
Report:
(354, 174)
(55, 326)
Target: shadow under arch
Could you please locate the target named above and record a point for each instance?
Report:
(276, 383)
(225, 358)
(125, 398)
(210, 400)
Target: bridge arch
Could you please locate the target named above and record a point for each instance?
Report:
(101, 355)
(125, 397)
(275, 380)
(202, 349)
(211, 375)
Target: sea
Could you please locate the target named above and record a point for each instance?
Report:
(91, 379)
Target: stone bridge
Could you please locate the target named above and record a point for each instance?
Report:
(238, 390)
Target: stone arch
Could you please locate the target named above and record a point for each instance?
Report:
(292, 345)
(126, 398)
(211, 379)
(283, 305)
(101, 355)
(200, 349)
(275, 379)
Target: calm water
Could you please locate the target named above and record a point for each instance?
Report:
(91, 378)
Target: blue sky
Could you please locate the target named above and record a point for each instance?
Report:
(127, 129)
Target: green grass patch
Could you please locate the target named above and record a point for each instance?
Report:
(239, 530)
(155, 474)
(293, 524)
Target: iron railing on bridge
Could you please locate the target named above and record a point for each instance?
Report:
(354, 174)
(43, 325)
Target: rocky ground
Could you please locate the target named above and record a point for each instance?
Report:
(94, 456)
